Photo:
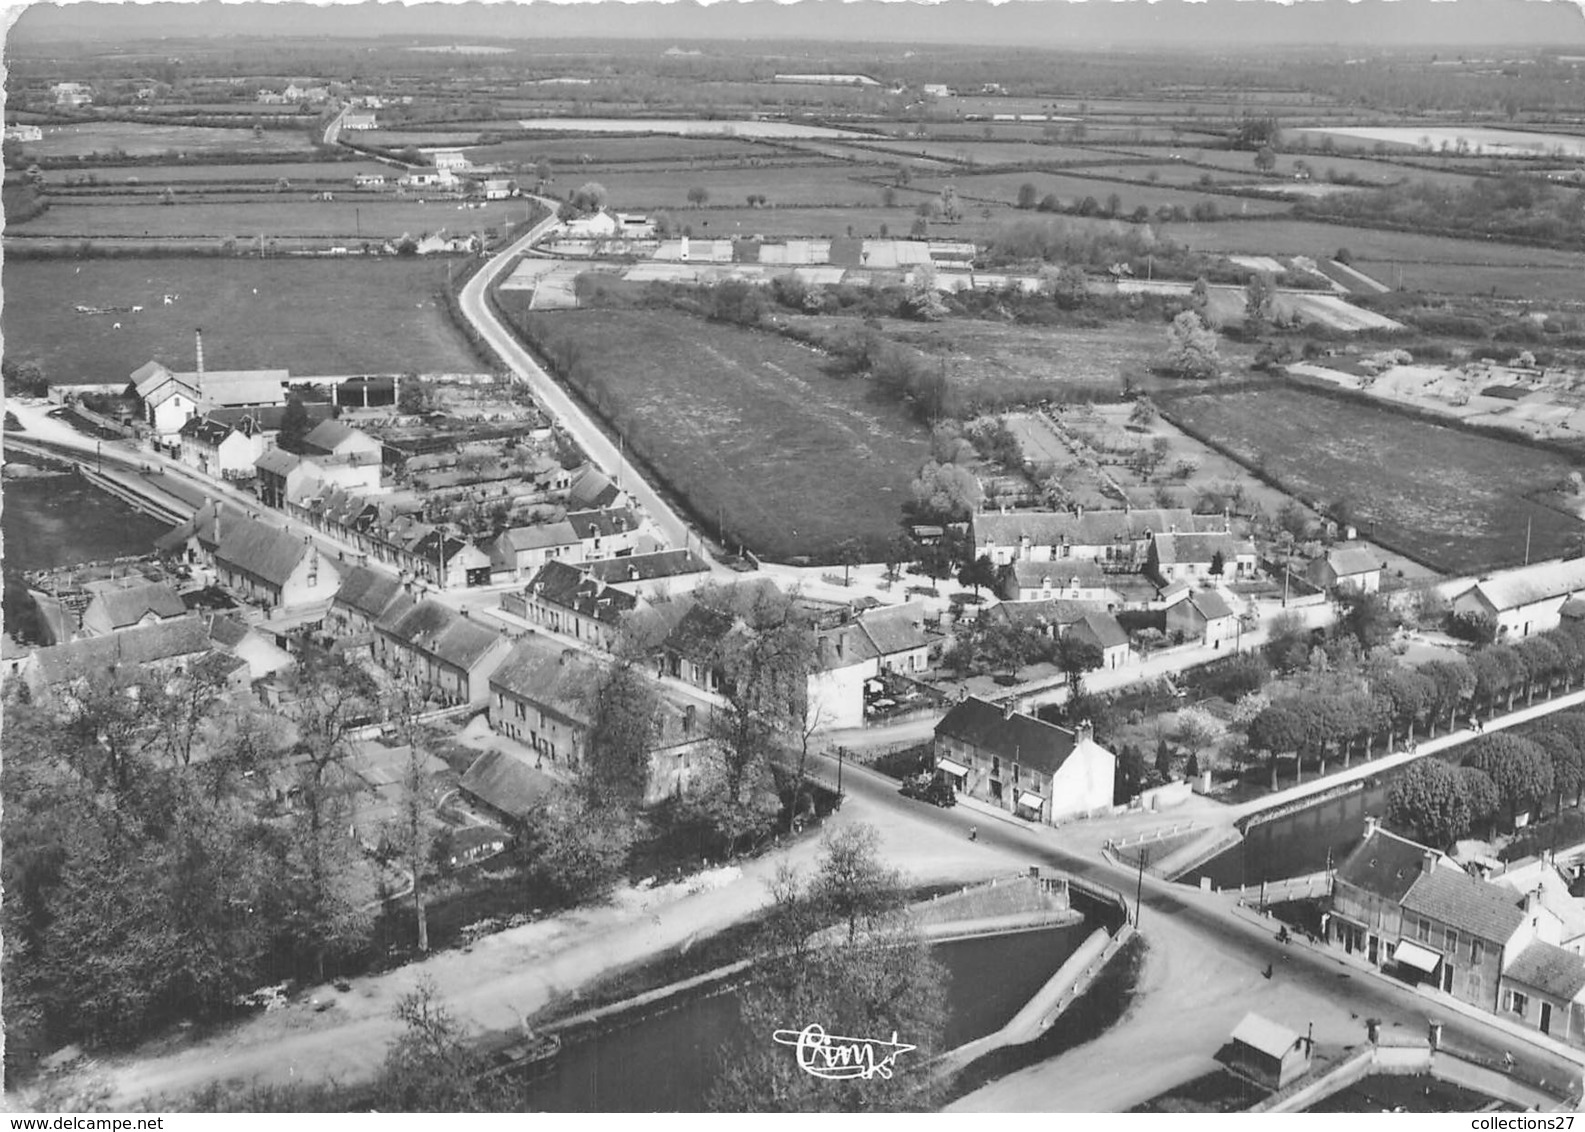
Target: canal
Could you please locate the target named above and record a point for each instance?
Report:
(665, 1059)
(61, 520)
(1304, 841)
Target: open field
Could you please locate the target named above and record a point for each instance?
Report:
(688, 126)
(1478, 140)
(793, 222)
(1455, 500)
(826, 184)
(351, 221)
(1431, 263)
(746, 424)
(308, 316)
(566, 154)
(1033, 152)
(1004, 187)
(329, 173)
(137, 139)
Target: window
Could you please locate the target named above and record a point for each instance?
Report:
(996, 766)
(1518, 1002)
(1015, 772)
(1423, 931)
(1476, 952)
(1452, 942)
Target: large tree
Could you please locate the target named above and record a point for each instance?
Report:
(1278, 730)
(623, 705)
(1428, 801)
(1191, 348)
(1519, 769)
(839, 953)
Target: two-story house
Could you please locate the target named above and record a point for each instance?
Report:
(362, 599)
(1346, 568)
(1201, 556)
(1368, 889)
(520, 551)
(565, 600)
(1116, 537)
(219, 449)
(1031, 768)
(273, 567)
(611, 533)
(440, 649)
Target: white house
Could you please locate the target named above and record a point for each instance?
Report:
(1347, 568)
(1527, 600)
(358, 120)
(1175, 556)
(1204, 618)
(218, 449)
(1046, 536)
(845, 658)
(1022, 764)
(273, 567)
(599, 226)
(452, 160)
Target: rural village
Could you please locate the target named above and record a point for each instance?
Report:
(468, 582)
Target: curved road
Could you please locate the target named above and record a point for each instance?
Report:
(584, 428)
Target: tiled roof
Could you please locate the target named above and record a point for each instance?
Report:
(1266, 1036)
(144, 644)
(1346, 561)
(698, 635)
(593, 488)
(895, 629)
(1458, 900)
(1059, 573)
(1384, 864)
(203, 430)
(566, 586)
(506, 783)
(226, 631)
(201, 526)
(278, 461)
(440, 632)
(1041, 614)
(1020, 738)
(602, 524)
(1090, 528)
(267, 553)
(1210, 605)
(218, 666)
(1103, 629)
(645, 567)
(325, 435)
(548, 675)
(1195, 548)
(225, 388)
(1514, 588)
(125, 605)
(465, 643)
(366, 591)
(148, 377)
(538, 537)
(268, 417)
(843, 647)
(1548, 969)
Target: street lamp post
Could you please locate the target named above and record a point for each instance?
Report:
(1139, 889)
(840, 752)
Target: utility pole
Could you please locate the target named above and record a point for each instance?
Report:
(1139, 888)
(1527, 524)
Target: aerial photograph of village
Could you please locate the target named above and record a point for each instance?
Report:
(660, 558)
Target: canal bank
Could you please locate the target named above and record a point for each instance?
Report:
(1017, 952)
(1309, 827)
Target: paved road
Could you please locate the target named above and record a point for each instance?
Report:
(602, 449)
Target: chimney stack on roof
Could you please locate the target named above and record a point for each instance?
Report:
(1371, 823)
(1428, 861)
(1008, 705)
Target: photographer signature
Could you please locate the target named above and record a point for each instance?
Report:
(835, 1058)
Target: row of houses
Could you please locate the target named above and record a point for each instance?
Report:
(1513, 944)
(219, 647)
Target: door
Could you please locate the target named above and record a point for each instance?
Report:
(1546, 1017)
(1447, 976)
(1375, 950)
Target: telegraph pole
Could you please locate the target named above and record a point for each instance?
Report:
(1139, 888)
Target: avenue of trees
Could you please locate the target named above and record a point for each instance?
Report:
(1347, 697)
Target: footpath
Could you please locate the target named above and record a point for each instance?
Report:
(1225, 827)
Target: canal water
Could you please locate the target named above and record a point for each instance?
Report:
(62, 520)
(1301, 842)
(665, 1060)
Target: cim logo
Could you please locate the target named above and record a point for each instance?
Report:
(835, 1058)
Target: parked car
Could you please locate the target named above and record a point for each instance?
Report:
(930, 788)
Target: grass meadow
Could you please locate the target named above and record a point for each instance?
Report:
(1457, 501)
(307, 316)
(743, 425)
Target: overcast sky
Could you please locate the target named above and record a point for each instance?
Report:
(1034, 23)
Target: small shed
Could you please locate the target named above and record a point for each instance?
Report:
(1269, 1053)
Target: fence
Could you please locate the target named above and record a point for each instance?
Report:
(1153, 835)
